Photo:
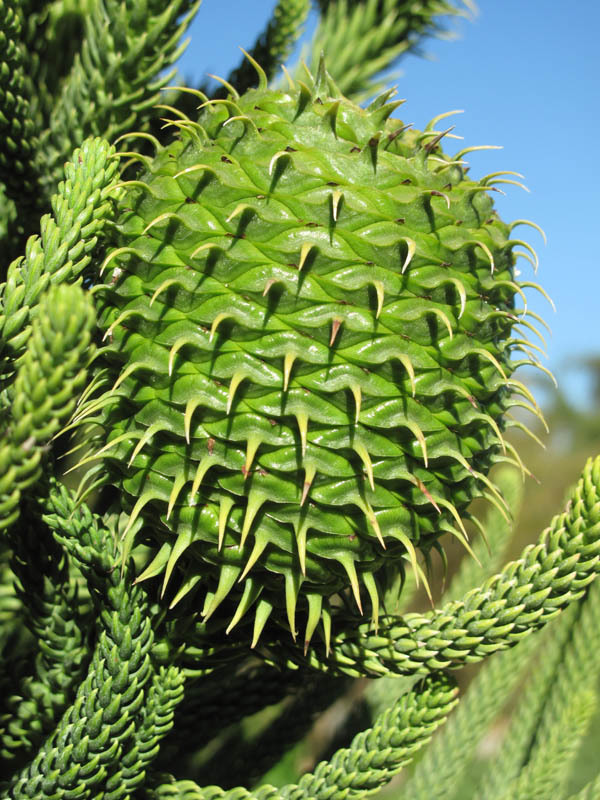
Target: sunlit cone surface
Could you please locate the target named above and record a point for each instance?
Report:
(308, 323)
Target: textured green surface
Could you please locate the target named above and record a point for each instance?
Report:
(309, 322)
(49, 379)
(64, 248)
(124, 706)
(507, 608)
(56, 616)
(18, 132)
(126, 54)
(308, 325)
(373, 757)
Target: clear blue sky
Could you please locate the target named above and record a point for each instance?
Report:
(526, 73)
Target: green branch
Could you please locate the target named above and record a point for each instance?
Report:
(87, 753)
(64, 248)
(503, 611)
(52, 611)
(117, 79)
(48, 383)
(362, 39)
(374, 756)
(274, 46)
(18, 129)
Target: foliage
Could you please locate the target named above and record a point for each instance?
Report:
(107, 693)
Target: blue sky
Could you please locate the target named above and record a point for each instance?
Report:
(526, 73)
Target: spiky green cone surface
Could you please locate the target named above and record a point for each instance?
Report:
(308, 330)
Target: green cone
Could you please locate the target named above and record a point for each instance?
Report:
(308, 327)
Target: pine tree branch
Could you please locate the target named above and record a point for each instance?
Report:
(87, 752)
(63, 250)
(274, 46)
(10, 604)
(156, 720)
(52, 613)
(362, 38)
(542, 777)
(53, 372)
(9, 238)
(52, 27)
(591, 791)
(449, 755)
(579, 667)
(506, 766)
(221, 699)
(372, 759)
(503, 611)
(19, 130)
(117, 79)
(570, 658)
(377, 754)
(488, 552)
(243, 762)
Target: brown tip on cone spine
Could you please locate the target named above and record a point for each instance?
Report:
(335, 327)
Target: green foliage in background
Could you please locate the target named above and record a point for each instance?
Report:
(105, 691)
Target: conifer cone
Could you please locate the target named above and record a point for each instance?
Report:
(309, 326)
